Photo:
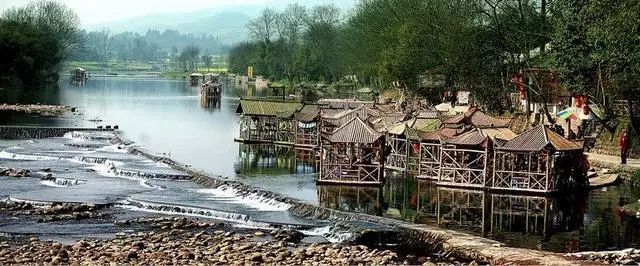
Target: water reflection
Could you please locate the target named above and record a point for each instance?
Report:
(210, 104)
(563, 223)
(263, 159)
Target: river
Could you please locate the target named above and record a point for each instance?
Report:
(168, 117)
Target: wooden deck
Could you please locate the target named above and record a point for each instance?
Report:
(279, 143)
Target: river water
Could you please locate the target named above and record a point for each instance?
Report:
(168, 117)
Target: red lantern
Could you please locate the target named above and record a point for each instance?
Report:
(518, 81)
(578, 101)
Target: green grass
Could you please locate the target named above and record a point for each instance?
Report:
(117, 67)
(109, 67)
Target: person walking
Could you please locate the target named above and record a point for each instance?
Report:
(624, 147)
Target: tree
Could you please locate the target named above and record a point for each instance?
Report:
(189, 57)
(596, 49)
(263, 27)
(207, 60)
(34, 41)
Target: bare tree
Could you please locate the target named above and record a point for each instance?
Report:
(293, 21)
(324, 14)
(263, 27)
(105, 44)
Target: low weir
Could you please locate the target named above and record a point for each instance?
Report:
(425, 237)
(419, 236)
(25, 132)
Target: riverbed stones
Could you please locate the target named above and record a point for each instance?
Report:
(189, 247)
(621, 257)
(14, 172)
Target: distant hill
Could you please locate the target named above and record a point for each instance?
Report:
(228, 23)
(229, 27)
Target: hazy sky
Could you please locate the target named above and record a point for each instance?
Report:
(98, 11)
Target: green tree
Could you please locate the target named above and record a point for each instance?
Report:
(34, 41)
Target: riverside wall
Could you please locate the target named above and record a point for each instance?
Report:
(28, 132)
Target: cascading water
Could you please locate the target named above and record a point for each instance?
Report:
(62, 182)
(248, 198)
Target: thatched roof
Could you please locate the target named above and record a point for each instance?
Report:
(539, 138)
(363, 112)
(471, 138)
(308, 113)
(499, 133)
(344, 103)
(354, 131)
(261, 107)
(478, 119)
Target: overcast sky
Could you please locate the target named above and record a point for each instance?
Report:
(99, 11)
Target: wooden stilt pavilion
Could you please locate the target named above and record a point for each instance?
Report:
(538, 160)
(352, 154)
(308, 127)
(464, 160)
(404, 143)
(267, 121)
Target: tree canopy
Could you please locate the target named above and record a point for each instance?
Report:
(34, 41)
(590, 46)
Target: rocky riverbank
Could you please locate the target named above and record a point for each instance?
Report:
(162, 239)
(621, 257)
(53, 212)
(183, 247)
(43, 110)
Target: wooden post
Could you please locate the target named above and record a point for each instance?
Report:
(547, 171)
(407, 153)
(420, 159)
(495, 162)
(484, 170)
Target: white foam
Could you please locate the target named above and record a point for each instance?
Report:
(69, 151)
(50, 183)
(252, 200)
(113, 148)
(325, 231)
(62, 182)
(25, 157)
(241, 220)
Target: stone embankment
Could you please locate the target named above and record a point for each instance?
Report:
(425, 237)
(40, 109)
(26, 132)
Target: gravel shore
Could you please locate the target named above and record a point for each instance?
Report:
(157, 240)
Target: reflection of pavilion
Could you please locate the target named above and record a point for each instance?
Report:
(210, 103)
(352, 198)
(276, 159)
(512, 218)
(461, 209)
(520, 214)
(518, 220)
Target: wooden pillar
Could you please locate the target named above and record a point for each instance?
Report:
(407, 153)
(547, 171)
(529, 170)
(495, 162)
(486, 157)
